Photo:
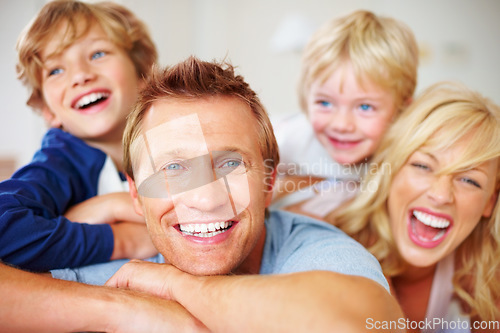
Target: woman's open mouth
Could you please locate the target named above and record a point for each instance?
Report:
(426, 229)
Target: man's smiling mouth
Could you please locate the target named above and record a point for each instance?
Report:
(205, 230)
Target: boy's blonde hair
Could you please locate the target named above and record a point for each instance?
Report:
(121, 25)
(381, 49)
(443, 115)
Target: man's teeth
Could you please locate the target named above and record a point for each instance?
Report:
(90, 98)
(431, 220)
(205, 229)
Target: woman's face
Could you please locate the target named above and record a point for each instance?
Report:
(431, 213)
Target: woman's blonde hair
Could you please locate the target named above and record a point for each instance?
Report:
(121, 25)
(381, 49)
(443, 115)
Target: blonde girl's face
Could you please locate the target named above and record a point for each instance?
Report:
(349, 119)
(431, 214)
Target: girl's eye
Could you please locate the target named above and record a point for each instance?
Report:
(55, 71)
(365, 107)
(98, 55)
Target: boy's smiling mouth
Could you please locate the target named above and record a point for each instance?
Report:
(88, 100)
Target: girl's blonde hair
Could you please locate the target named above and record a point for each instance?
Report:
(443, 115)
(120, 24)
(381, 49)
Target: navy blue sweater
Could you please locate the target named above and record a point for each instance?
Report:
(33, 233)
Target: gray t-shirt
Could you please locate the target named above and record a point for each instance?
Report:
(294, 243)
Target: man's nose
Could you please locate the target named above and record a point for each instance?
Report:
(212, 197)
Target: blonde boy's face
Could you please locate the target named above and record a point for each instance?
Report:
(89, 88)
(349, 119)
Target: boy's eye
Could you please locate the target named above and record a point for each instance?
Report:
(98, 55)
(55, 71)
(365, 107)
(325, 104)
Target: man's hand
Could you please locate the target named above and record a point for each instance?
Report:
(153, 278)
(108, 208)
(139, 312)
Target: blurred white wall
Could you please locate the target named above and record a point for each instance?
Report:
(460, 39)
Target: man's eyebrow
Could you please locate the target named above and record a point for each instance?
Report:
(233, 149)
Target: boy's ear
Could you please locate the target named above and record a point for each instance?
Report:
(50, 118)
(135, 196)
(408, 102)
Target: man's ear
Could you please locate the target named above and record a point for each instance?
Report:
(269, 182)
(50, 118)
(135, 196)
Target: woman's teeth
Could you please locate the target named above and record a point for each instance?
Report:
(431, 220)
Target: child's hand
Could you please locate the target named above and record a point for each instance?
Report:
(132, 241)
(108, 208)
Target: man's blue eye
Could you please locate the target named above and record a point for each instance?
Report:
(98, 54)
(231, 164)
(173, 166)
(55, 71)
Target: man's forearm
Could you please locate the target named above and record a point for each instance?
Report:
(35, 303)
(310, 301)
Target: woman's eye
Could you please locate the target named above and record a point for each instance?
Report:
(421, 166)
(98, 55)
(470, 181)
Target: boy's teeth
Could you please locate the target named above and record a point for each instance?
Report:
(90, 98)
(431, 220)
(204, 229)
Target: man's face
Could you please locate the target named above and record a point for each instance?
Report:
(200, 182)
